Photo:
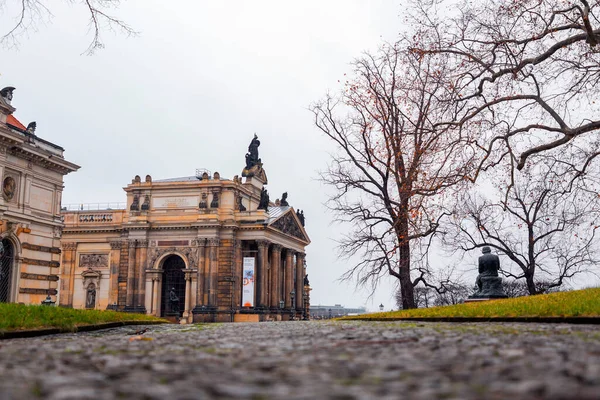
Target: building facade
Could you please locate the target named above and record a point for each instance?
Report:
(32, 171)
(200, 249)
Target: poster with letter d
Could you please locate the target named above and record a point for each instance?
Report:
(248, 284)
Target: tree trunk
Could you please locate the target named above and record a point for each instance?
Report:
(530, 284)
(406, 286)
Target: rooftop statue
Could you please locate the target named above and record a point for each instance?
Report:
(252, 155)
(31, 127)
(284, 201)
(264, 200)
(7, 93)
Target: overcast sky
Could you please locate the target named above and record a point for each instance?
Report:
(191, 90)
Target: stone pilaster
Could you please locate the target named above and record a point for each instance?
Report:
(300, 281)
(142, 257)
(275, 276)
(213, 245)
(129, 305)
(67, 279)
(201, 248)
(113, 289)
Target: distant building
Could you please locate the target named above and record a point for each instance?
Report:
(32, 171)
(324, 312)
(201, 248)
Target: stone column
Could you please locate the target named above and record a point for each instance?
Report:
(237, 275)
(262, 273)
(299, 281)
(187, 315)
(213, 245)
(156, 293)
(289, 279)
(67, 279)
(154, 280)
(275, 275)
(131, 275)
(141, 283)
(113, 288)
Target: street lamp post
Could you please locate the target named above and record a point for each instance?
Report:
(293, 297)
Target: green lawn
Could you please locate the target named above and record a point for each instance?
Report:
(577, 303)
(15, 317)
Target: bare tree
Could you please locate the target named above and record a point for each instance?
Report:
(529, 71)
(518, 288)
(393, 165)
(545, 224)
(28, 13)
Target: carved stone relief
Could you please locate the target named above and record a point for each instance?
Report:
(91, 261)
(287, 224)
(154, 253)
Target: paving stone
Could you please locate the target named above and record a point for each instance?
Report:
(307, 360)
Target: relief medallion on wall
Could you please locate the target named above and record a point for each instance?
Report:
(9, 187)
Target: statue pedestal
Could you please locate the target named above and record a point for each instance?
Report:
(477, 300)
(491, 288)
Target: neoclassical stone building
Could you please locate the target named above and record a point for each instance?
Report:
(32, 171)
(199, 248)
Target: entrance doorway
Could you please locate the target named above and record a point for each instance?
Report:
(173, 287)
(7, 260)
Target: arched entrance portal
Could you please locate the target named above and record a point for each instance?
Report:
(173, 287)
(7, 260)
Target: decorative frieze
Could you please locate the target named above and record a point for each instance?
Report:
(116, 245)
(91, 261)
(213, 242)
(43, 249)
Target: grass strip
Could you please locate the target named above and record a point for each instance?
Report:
(576, 303)
(15, 317)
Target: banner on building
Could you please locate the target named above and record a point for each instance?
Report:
(248, 285)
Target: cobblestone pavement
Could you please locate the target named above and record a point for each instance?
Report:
(310, 360)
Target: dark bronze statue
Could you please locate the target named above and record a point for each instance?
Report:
(215, 201)
(300, 215)
(173, 301)
(203, 201)
(306, 282)
(489, 284)
(264, 200)
(31, 127)
(284, 202)
(146, 203)
(135, 204)
(252, 155)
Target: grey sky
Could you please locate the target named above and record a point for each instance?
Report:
(189, 93)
